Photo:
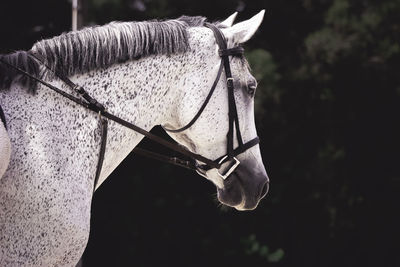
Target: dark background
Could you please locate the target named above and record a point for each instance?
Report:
(327, 113)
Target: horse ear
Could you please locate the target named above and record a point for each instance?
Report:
(243, 31)
(229, 21)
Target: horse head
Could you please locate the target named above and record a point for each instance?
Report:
(241, 178)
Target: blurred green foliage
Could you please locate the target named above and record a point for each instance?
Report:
(253, 247)
(327, 108)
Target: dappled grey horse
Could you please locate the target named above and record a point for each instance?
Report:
(147, 73)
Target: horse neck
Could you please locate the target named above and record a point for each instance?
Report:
(142, 92)
(151, 91)
(139, 91)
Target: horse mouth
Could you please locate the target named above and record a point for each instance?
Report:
(235, 194)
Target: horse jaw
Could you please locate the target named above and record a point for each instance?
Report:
(243, 31)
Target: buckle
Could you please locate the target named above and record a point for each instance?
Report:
(232, 167)
(229, 82)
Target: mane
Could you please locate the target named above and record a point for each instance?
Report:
(98, 47)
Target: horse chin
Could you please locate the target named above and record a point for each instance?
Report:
(239, 204)
(233, 195)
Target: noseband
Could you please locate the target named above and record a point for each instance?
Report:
(92, 104)
(224, 53)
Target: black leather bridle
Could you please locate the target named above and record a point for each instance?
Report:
(224, 53)
(92, 104)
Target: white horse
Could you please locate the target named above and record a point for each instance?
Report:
(149, 73)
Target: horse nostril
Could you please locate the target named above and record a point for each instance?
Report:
(264, 190)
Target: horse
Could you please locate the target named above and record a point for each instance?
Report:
(148, 73)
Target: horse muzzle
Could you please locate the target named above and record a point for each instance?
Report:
(236, 196)
(244, 188)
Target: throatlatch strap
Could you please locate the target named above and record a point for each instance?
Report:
(202, 106)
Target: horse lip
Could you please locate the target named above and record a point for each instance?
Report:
(231, 195)
(244, 204)
(243, 207)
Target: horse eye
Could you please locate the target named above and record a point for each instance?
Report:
(251, 88)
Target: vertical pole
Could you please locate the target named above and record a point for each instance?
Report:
(82, 13)
(74, 15)
(77, 22)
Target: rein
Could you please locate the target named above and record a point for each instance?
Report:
(92, 104)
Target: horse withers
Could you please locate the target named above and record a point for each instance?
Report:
(148, 73)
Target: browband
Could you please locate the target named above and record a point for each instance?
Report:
(235, 51)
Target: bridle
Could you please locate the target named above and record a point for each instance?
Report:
(224, 53)
(92, 104)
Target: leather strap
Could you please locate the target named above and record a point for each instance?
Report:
(235, 51)
(177, 147)
(95, 105)
(233, 116)
(187, 164)
(95, 108)
(174, 146)
(3, 118)
(237, 151)
(202, 106)
(104, 131)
